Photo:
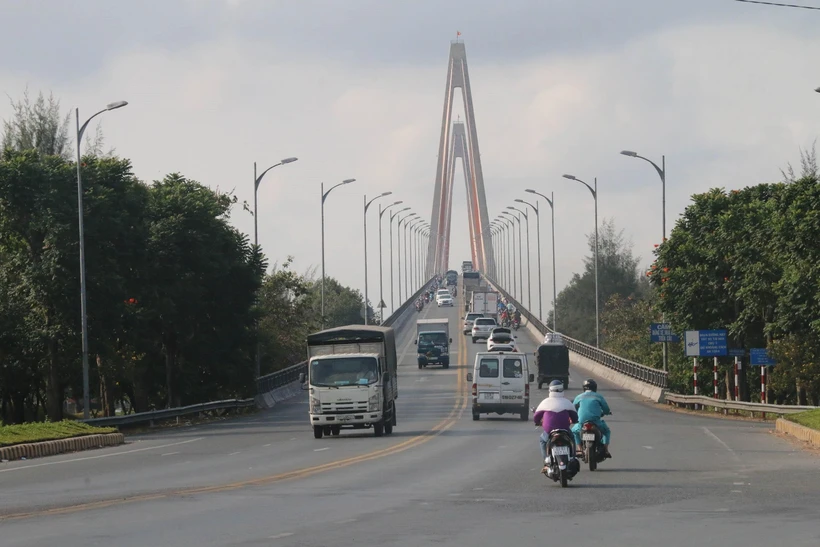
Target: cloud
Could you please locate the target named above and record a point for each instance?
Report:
(727, 102)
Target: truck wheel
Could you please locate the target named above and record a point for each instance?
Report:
(335, 430)
(445, 365)
(317, 431)
(476, 416)
(378, 429)
(388, 428)
(419, 366)
(475, 340)
(540, 385)
(525, 414)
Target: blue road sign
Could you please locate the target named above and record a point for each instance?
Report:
(737, 352)
(662, 332)
(707, 343)
(759, 357)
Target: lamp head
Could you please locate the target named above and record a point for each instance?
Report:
(115, 105)
(348, 181)
(570, 177)
(629, 153)
(385, 194)
(288, 160)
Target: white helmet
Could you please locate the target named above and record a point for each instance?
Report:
(556, 386)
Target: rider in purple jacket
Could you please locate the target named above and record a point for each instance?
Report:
(554, 412)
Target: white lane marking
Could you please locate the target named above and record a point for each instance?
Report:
(282, 535)
(348, 521)
(234, 453)
(293, 439)
(503, 446)
(266, 445)
(648, 447)
(477, 489)
(489, 499)
(321, 449)
(170, 453)
(737, 491)
(738, 483)
(723, 444)
(422, 379)
(454, 494)
(101, 455)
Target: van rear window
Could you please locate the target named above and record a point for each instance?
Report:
(488, 368)
(513, 368)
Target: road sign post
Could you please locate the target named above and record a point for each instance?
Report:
(759, 357)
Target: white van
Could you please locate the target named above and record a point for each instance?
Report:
(501, 384)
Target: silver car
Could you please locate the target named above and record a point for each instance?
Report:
(482, 327)
(468, 321)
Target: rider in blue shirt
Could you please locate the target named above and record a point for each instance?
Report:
(591, 408)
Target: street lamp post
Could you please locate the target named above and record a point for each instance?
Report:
(510, 225)
(83, 293)
(551, 202)
(392, 285)
(538, 244)
(324, 197)
(398, 243)
(410, 219)
(381, 276)
(662, 173)
(594, 192)
(520, 255)
(529, 268)
(409, 263)
(257, 179)
(364, 224)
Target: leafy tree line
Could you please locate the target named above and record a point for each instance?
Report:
(177, 297)
(749, 261)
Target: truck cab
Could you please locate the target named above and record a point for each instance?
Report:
(433, 342)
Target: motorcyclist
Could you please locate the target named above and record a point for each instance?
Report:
(517, 317)
(554, 412)
(591, 408)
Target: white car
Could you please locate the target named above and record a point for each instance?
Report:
(501, 336)
(482, 328)
(501, 384)
(444, 300)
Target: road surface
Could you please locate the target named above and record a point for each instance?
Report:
(440, 479)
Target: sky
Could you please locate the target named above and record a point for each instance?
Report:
(355, 89)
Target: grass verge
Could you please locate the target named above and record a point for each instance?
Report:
(47, 431)
(810, 418)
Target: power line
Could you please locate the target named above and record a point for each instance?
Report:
(778, 4)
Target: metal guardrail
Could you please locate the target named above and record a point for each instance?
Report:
(409, 302)
(164, 414)
(674, 398)
(643, 373)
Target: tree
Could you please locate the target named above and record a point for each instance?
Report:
(617, 274)
(37, 125)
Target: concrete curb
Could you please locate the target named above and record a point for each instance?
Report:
(61, 446)
(811, 436)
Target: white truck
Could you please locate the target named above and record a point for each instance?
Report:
(486, 303)
(352, 379)
(433, 342)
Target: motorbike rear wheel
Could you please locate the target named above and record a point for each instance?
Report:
(563, 478)
(591, 456)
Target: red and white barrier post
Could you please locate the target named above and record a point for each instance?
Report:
(715, 369)
(695, 367)
(737, 388)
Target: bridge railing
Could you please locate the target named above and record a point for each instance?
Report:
(264, 384)
(642, 373)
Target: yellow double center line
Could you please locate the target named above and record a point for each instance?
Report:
(459, 405)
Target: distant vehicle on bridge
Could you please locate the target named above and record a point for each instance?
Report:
(552, 359)
(467, 266)
(452, 277)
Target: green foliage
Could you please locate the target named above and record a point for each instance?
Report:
(617, 274)
(37, 125)
(48, 431)
(810, 418)
(747, 260)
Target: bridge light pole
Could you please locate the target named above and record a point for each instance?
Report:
(517, 219)
(509, 226)
(594, 192)
(409, 263)
(399, 232)
(551, 202)
(81, 226)
(505, 260)
(392, 285)
(324, 197)
(257, 180)
(529, 268)
(662, 173)
(538, 244)
(364, 218)
(381, 276)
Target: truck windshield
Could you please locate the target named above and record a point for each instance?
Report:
(437, 338)
(344, 371)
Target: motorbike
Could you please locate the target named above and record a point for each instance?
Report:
(562, 466)
(594, 452)
(515, 324)
(505, 322)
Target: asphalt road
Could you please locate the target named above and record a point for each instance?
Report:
(675, 480)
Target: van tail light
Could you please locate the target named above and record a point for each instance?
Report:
(526, 390)
(475, 391)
